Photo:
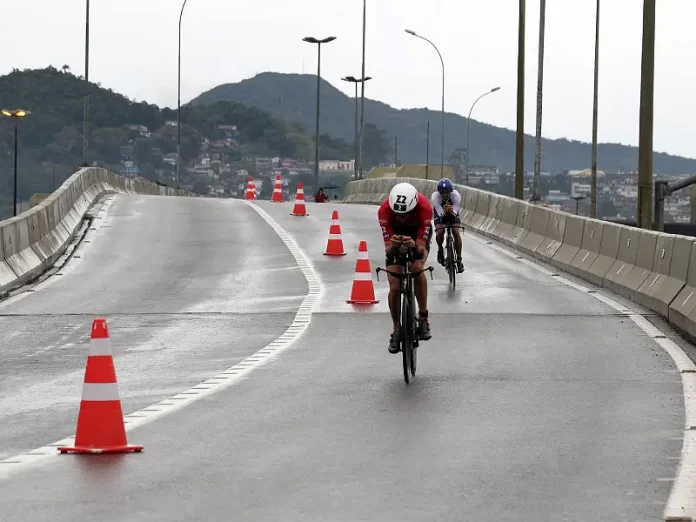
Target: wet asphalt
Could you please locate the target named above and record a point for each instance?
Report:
(532, 401)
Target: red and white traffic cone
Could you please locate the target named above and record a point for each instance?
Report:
(250, 191)
(299, 209)
(334, 246)
(277, 190)
(363, 291)
(100, 424)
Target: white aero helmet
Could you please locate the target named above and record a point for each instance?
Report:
(403, 198)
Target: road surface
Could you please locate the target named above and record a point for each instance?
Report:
(533, 401)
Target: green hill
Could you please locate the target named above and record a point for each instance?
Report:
(50, 137)
(293, 96)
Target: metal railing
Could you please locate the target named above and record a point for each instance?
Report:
(664, 189)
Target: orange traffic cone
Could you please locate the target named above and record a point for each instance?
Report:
(363, 292)
(251, 190)
(277, 190)
(299, 209)
(256, 192)
(334, 247)
(100, 425)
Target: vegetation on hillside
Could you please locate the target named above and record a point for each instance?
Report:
(51, 136)
(293, 96)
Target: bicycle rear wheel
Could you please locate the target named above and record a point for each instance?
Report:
(406, 339)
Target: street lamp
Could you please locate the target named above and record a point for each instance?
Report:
(312, 40)
(593, 191)
(178, 101)
(356, 81)
(577, 198)
(540, 89)
(362, 90)
(468, 124)
(16, 114)
(85, 123)
(645, 124)
(519, 137)
(442, 166)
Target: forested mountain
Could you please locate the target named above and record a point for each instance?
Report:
(51, 143)
(293, 96)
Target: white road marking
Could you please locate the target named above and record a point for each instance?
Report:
(214, 384)
(682, 500)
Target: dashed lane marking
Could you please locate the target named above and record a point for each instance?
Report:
(212, 385)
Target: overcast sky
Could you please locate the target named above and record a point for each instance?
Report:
(133, 50)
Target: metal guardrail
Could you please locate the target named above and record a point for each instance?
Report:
(664, 189)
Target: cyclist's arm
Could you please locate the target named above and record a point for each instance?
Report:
(456, 202)
(385, 224)
(425, 215)
(436, 203)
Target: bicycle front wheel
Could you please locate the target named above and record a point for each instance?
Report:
(406, 336)
(451, 265)
(414, 336)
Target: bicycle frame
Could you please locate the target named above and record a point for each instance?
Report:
(449, 260)
(407, 317)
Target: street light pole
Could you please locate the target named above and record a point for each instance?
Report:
(178, 101)
(362, 90)
(645, 140)
(356, 81)
(519, 138)
(540, 88)
(593, 195)
(468, 125)
(16, 115)
(85, 123)
(442, 165)
(313, 40)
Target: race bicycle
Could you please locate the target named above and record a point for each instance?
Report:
(407, 334)
(450, 259)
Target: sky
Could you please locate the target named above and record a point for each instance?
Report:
(133, 50)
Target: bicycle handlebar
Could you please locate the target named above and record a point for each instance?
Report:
(401, 275)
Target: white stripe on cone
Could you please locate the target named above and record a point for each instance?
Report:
(334, 236)
(100, 392)
(362, 255)
(100, 347)
(362, 276)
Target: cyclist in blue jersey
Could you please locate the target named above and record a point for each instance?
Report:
(447, 203)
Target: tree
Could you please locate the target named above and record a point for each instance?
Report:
(376, 146)
(200, 187)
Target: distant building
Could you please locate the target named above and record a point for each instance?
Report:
(337, 165)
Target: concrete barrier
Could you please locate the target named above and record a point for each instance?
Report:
(536, 227)
(553, 240)
(669, 273)
(589, 249)
(654, 269)
(571, 241)
(31, 242)
(682, 310)
(618, 276)
(608, 253)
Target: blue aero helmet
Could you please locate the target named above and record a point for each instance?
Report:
(444, 186)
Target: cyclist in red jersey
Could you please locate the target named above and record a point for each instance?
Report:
(405, 218)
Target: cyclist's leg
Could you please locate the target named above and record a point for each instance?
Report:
(439, 236)
(420, 287)
(394, 301)
(458, 244)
